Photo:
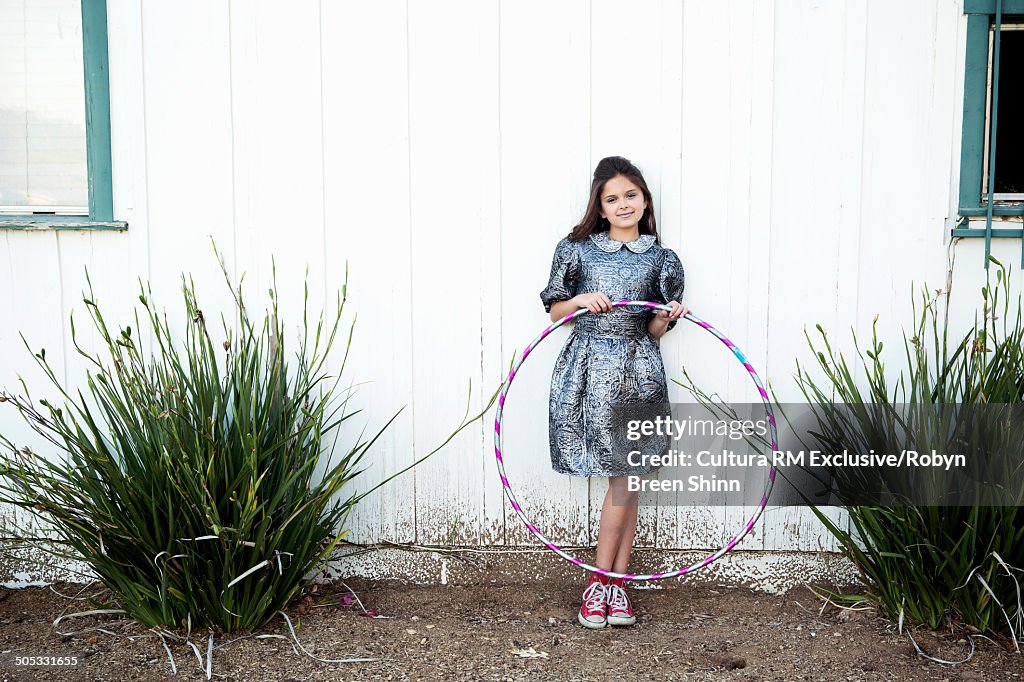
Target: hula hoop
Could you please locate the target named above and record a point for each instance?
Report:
(499, 413)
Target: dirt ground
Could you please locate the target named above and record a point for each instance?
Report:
(507, 632)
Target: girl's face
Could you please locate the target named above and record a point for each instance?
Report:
(622, 203)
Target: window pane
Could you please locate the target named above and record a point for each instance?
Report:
(42, 107)
(1010, 130)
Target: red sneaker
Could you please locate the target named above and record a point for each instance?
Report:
(594, 612)
(620, 611)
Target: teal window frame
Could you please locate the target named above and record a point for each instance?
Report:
(980, 15)
(97, 137)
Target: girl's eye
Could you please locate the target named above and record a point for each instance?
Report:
(631, 195)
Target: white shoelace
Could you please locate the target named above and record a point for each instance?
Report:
(617, 599)
(594, 596)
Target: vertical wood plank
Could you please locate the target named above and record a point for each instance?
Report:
(128, 133)
(278, 151)
(805, 245)
(705, 233)
(670, 217)
(756, 279)
(33, 309)
(188, 152)
(366, 177)
(545, 93)
(114, 290)
(453, 165)
(747, 231)
(32, 306)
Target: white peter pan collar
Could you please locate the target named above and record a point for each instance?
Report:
(609, 245)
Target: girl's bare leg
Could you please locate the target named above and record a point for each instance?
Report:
(618, 526)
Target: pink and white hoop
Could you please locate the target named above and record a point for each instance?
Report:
(499, 457)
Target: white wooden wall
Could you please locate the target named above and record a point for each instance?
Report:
(803, 156)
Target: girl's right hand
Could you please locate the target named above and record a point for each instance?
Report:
(595, 302)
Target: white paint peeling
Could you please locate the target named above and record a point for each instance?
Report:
(444, 571)
(766, 571)
(22, 579)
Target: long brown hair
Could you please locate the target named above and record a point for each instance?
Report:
(593, 221)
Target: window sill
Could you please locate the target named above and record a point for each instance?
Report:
(996, 233)
(972, 223)
(998, 210)
(59, 222)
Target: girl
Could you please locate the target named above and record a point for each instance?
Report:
(611, 358)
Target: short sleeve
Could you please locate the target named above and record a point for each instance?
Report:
(671, 280)
(565, 274)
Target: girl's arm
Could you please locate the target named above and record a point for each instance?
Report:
(659, 323)
(594, 302)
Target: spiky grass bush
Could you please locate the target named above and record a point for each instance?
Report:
(932, 564)
(194, 483)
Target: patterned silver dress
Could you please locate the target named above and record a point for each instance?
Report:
(610, 359)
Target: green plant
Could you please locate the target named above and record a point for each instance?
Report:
(927, 563)
(197, 494)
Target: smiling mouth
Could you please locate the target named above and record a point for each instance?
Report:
(626, 215)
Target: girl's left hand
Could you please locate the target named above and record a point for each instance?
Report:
(678, 310)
